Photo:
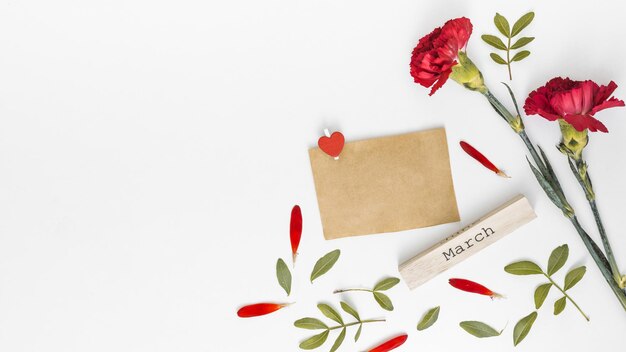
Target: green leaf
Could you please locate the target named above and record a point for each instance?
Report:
(522, 328)
(310, 324)
(479, 329)
(429, 319)
(502, 24)
(284, 275)
(493, 41)
(386, 284)
(346, 308)
(521, 42)
(550, 170)
(358, 333)
(541, 293)
(546, 186)
(495, 57)
(314, 342)
(521, 55)
(383, 300)
(324, 264)
(330, 313)
(512, 98)
(559, 305)
(574, 276)
(522, 23)
(523, 268)
(557, 259)
(339, 340)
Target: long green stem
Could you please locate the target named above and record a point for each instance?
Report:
(607, 246)
(357, 322)
(592, 247)
(567, 296)
(352, 289)
(585, 183)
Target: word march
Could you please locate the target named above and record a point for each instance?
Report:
(479, 237)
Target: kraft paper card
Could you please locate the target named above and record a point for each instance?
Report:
(385, 184)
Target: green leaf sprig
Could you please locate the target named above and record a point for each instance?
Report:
(557, 259)
(324, 264)
(382, 299)
(329, 312)
(502, 24)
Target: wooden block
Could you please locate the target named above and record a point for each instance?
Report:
(467, 242)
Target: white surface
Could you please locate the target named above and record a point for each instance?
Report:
(150, 153)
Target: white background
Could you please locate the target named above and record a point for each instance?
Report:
(151, 151)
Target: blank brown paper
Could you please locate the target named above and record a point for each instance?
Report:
(385, 184)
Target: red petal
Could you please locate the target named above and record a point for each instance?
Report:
(611, 103)
(391, 344)
(582, 122)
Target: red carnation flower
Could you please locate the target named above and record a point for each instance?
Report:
(574, 101)
(436, 53)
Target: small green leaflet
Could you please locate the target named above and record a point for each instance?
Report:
(559, 305)
(522, 328)
(502, 24)
(314, 342)
(339, 340)
(348, 309)
(324, 264)
(386, 284)
(557, 259)
(493, 41)
(330, 313)
(283, 275)
(479, 329)
(383, 300)
(522, 23)
(495, 57)
(574, 276)
(429, 319)
(521, 55)
(523, 268)
(541, 293)
(358, 333)
(521, 42)
(310, 324)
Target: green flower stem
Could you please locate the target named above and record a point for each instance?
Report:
(607, 246)
(352, 289)
(566, 295)
(595, 252)
(585, 182)
(357, 322)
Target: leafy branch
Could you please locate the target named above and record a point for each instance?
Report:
(502, 24)
(557, 259)
(318, 340)
(381, 298)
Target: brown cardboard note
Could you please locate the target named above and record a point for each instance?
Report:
(385, 184)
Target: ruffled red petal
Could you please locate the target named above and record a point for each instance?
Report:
(582, 122)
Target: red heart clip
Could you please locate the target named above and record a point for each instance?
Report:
(332, 145)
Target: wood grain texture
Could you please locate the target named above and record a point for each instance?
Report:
(467, 241)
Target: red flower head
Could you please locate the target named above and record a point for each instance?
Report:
(436, 53)
(574, 101)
